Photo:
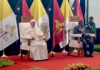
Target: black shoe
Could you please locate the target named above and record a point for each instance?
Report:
(37, 60)
(90, 55)
(46, 59)
(86, 55)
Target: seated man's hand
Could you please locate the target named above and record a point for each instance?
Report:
(45, 35)
(88, 31)
(84, 34)
(33, 38)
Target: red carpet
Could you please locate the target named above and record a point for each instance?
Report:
(53, 63)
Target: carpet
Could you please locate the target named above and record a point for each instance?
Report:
(53, 63)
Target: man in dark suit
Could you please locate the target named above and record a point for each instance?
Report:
(85, 39)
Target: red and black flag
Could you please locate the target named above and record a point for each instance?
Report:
(76, 9)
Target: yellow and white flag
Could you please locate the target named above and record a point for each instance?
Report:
(8, 25)
(67, 12)
(40, 16)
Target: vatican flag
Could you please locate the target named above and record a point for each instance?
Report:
(67, 12)
(8, 25)
(40, 16)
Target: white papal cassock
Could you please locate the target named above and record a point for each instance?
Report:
(38, 47)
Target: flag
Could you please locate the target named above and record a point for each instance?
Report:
(58, 20)
(54, 17)
(67, 12)
(8, 25)
(21, 9)
(76, 9)
(25, 9)
(40, 16)
(49, 10)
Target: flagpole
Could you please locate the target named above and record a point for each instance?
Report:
(75, 50)
(3, 54)
(64, 51)
(52, 52)
(52, 49)
(53, 55)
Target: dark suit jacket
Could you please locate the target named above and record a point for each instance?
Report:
(78, 30)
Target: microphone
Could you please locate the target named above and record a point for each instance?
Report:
(61, 26)
(64, 27)
(69, 29)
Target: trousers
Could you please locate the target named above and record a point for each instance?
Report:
(87, 41)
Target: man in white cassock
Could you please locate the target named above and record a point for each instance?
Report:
(38, 47)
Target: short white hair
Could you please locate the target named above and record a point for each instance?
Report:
(32, 21)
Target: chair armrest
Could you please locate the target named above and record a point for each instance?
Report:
(26, 37)
(76, 35)
(93, 35)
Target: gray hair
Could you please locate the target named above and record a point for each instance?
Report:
(80, 21)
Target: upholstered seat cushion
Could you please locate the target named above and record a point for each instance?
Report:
(24, 46)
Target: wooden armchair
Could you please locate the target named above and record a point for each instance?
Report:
(25, 41)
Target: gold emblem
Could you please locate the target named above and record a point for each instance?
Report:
(58, 30)
(9, 30)
(44, 28)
